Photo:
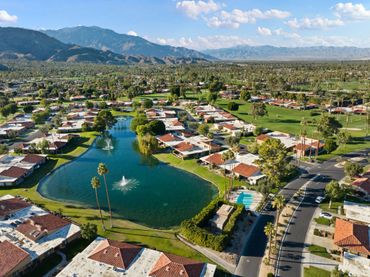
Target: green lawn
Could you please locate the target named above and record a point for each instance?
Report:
(313, 271)
(323, 221)
(319, 251)
(288, 121)
(192, 166)
(163, 240)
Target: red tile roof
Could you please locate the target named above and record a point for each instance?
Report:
(215, 159)
(14, 172)
(302, 147)
(169, 265)
(184, 146)
(168, 138)
(115, 253)
(246, 170)
(39, 226)
(351, 236)
(363, 183)
(11, 256)
(34, 159)
(12, 205)
(262, 137)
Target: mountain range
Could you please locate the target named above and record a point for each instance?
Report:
(264, 53)
(19, 43)
(105, 39)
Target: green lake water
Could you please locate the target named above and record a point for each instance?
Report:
(142, 189)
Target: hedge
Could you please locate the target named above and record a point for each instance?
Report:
(193, 231)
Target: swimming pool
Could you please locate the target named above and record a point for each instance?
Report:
(246, 199)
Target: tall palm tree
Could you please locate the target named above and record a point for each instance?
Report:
(95, 183)
(229, 156)
(304, 134)
(102, 171)
(269, 231)
(278, 203)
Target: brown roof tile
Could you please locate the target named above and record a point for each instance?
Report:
(10, 206)
(169, 265)
(115, 253)
(10, 257)
(33, 159)
(215, 159)
(184, 146)
(352, 236)
(363, 183)
(39, 226)
(246, 170)
(168, 138)
(14, 172)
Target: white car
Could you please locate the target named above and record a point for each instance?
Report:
(326, 215)
(319, 199)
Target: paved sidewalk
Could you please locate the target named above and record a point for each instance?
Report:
(210, 254)
(314, 260)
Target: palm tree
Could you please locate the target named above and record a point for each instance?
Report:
(229, 156)
(278, 203)
(102, 171)
(95, 183)
(269, 232)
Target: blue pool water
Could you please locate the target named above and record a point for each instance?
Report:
(246, 199)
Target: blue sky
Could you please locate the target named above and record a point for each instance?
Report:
(207, 23)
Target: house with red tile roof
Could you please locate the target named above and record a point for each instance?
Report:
(169, 265)
(13, 259)
(11, 206)
(362, 184)
(38, 227)
(352, 237)
(13, 176)
(246, 170)
(105, 257)
(115, 253)
(37, 160)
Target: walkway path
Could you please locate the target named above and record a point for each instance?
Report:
(58, 267)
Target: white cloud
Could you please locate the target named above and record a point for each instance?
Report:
(132, 33)
(351, 11)
(195, 8)
(206, 42)
(5, 17)
(282, 33)
(237, 17)
(314, 23)
(264, 31)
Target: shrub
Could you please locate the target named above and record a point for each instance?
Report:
(270, 274)
(193, 231)
(232, 106)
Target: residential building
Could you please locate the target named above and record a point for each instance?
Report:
(105, 257)
(221, 217)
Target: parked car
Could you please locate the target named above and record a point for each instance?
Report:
(326, 215)
(319, 199)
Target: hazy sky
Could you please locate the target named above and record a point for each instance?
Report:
(204, 24)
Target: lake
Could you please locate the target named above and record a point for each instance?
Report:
(142, 189)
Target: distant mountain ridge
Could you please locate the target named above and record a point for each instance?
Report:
(105, 39)
(264, 53)
(19, 43)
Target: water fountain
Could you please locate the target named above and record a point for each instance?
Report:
(108, 144)
(124, 182)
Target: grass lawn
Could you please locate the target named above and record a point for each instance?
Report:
(334, 206)
(319, 251)
(163, 240)
(313, 271)
(323, 221)
(192, 166)
(288, 121)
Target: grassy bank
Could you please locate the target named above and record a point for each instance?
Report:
(192, 166)
(164, 240)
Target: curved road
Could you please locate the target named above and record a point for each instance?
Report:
(293, 244)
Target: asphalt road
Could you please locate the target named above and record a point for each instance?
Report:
(293, 244)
